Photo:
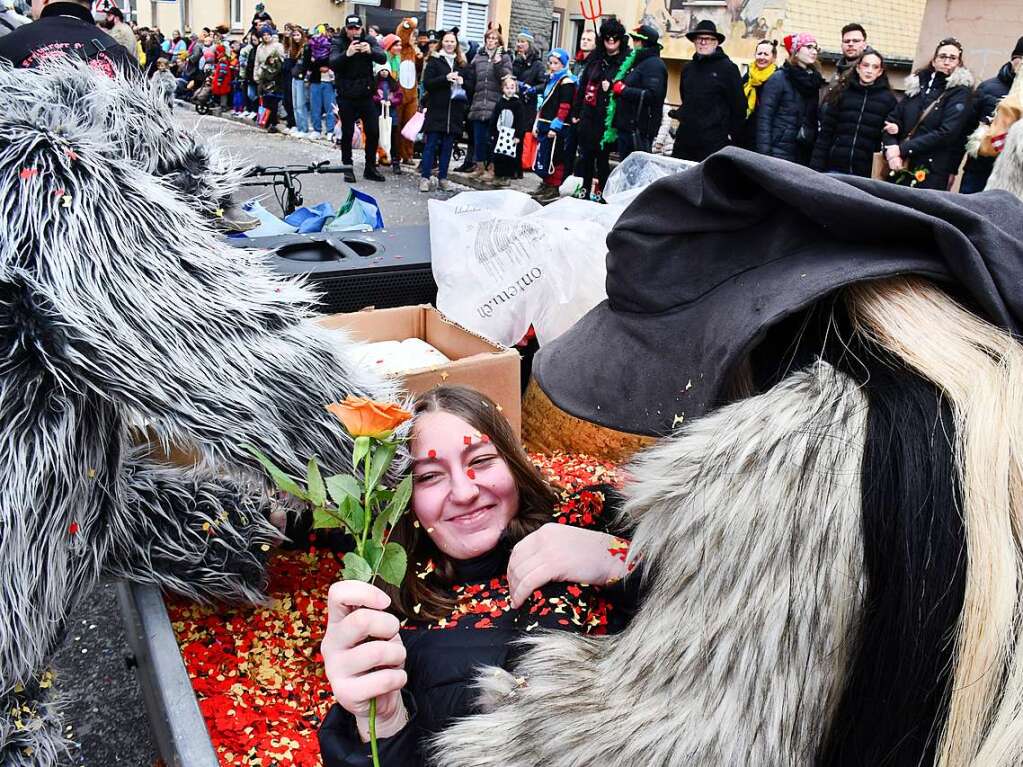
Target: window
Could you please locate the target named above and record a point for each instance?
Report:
(237, 22)
(470, 18)
(555, 30)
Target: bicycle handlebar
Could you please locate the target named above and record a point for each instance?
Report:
(295, 170)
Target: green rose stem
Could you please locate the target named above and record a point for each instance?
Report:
(368, 519)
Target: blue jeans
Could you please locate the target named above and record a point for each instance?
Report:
(321, 96)
(446, 141)
(480, 140)
(300, 103)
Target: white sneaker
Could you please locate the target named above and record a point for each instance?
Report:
(313, 135)
(444, 185)
(433, 182)
(424, 185)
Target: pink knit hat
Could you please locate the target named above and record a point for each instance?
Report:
(799, 40)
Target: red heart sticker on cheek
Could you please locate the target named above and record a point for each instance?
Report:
(471, 474)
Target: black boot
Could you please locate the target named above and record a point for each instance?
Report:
(372, 174)
(350, 173)
(396, 167)
(467, 166)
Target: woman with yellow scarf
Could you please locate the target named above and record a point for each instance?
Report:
(763, 67)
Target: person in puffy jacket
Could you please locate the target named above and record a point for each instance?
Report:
(713, 107)
(924, 133)
(552, 124)
(589, 111)
(221, 85)
(985, 101)
(446, 105)
(787, 115)
(853, 121)
(638, 92)
(759, 72)
(489, 564)
(483, 79)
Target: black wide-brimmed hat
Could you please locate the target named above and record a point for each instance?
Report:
(705, 27)
(704, 263)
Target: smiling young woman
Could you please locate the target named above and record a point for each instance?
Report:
(495, 553)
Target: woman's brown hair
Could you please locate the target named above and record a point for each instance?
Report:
(295, 48)
(537, 500)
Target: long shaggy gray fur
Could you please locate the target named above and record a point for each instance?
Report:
(750, 540)
(1007, 173)
(120, 306)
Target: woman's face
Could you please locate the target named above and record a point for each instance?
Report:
(296, 35)
(449, 42)
(588, 41)
(612, 44)
(463, 493)
(490, 41)
(395, 49)
(522, 46)
(869, 68)
(947, 59)
(764, 56)
(554, 64)
(807, 55)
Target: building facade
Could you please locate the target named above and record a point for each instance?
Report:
(988, 30)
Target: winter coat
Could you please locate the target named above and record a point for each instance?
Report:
(531, 75)
(713, 109)
(443, 659)
(222, 77)
(312, 66)
(355, 77)
(509, 111)
(985, 100)
(269, 71)
(852, 126)
(246, 62)
(66, 27)
(640, 101)
(442, 114)
(938, 144)
(787, 115)
(483, 81)
(591, 100)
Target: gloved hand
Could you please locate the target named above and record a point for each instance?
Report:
(617, 88)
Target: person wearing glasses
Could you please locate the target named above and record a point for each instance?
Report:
(713, 109)
(924, 133)
(787, 115)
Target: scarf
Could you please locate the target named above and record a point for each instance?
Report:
(754, 79)
(394, 62)
(552, 83)
(807, 81)
(610, 134)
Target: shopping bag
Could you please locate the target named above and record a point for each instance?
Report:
(360, 212)
(543, 163)
(414, 126)
(505, 144)
(385, 127)
(269, 224)
(263, 115)
(879, 167)
(310, 220)
(528, 151)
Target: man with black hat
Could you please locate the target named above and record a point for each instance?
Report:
(713, 105)
(64, 27)
(352, 56)
(638, 94)
(985, 100)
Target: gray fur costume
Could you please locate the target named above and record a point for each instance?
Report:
(120, 306)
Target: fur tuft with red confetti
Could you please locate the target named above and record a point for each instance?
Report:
(258, 673)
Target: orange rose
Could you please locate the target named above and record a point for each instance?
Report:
(365, 418)
(920, 175)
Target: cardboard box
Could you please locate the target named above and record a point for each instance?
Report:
(475, 362)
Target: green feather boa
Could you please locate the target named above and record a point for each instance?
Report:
(610, 134)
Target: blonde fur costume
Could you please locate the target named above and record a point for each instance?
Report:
(119, 305)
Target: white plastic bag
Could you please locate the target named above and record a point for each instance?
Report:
(637, 171)
(503, 263)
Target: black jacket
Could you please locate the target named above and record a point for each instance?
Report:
(443, 659)
(66, 28)
(787, 114)
(641, 101)
(713, 109)
(442, 114)
(512, 106)
(591, 100)
(529, 71)
(353, 75)
(851, 128)
(938, 142)
(985, 99)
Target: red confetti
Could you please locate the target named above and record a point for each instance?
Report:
(471, 474)
(73, 528)
(431, 454)
(28, 173)
(467, 439)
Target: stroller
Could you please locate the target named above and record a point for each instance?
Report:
(202, 99)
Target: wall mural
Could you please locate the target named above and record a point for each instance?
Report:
(743, 22)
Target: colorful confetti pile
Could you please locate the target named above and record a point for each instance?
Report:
(258, 673)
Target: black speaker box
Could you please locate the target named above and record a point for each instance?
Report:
(355, 270)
